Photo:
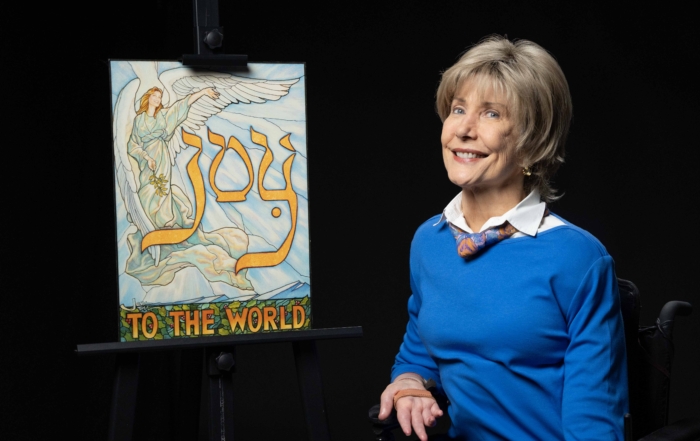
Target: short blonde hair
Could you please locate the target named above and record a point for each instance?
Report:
(537, 94)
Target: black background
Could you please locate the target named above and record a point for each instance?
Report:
(375, 174)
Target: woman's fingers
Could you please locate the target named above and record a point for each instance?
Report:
(404, 414)
(435, 410)
(428, 417)
(418, 420)
(386, 403)
(416, 413)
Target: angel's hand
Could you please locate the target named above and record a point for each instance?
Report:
(151, 163)
(211, 93)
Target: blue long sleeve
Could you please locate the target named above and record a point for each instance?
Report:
(413, 355)
(595, 375)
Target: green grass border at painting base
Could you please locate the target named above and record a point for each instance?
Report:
(218, 321)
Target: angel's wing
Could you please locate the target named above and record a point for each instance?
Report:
(125, 166)
(232, 89)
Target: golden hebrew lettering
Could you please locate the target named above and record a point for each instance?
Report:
(177, 235)
(233, 143)
(249, 260)
(256, 260)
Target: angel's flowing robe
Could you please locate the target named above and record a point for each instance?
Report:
(149, 138)
(214, 253)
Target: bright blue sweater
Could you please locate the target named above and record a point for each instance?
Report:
(526, 339)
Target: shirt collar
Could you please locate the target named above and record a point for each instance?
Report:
(525, 217)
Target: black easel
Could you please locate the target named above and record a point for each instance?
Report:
(216, 403)
(216, 422)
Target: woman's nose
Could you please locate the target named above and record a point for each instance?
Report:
(466, 128)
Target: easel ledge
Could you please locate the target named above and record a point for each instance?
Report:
(224, 340)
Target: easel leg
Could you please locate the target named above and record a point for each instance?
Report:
(216, 412)
(123, 411)
(309, 377)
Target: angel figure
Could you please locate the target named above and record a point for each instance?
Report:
(165, 205)
(149, 115)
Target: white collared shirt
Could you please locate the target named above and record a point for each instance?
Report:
(526, 217)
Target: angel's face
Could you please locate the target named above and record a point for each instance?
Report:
(154, 99)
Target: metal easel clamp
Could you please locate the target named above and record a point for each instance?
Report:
(225, 362)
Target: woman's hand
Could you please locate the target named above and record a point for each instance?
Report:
(417, 412)
(151, 163)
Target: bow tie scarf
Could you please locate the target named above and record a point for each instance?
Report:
(469, 244)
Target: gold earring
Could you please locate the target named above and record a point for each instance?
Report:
(527, 171)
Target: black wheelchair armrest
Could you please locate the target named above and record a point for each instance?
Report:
(668, 315)
(687, 429)
(382, 428)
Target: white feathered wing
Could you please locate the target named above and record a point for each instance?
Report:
(181, 82)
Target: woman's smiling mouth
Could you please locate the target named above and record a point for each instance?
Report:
(469, 155)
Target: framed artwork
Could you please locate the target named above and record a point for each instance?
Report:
(211, 202)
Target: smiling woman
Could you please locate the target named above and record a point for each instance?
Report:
(534, 348)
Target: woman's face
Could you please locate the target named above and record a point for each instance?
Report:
(478, 142)
(154, 99)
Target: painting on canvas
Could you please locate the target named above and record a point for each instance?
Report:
(211, 200)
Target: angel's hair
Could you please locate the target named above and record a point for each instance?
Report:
(538, 96)
(144, 101)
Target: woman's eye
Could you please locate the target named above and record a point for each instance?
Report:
(458, 110)
(492, 114)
